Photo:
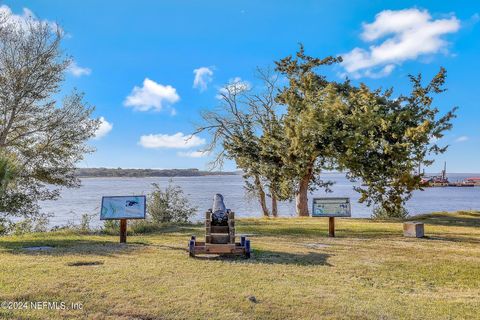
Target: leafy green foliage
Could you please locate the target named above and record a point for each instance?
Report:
(111, 227)
(46, 137)
(8, 172)
(169, 204)
(38, 223)
(369, 134)
(85, 222)
(315, 110)
(381, 213)
(392, 138)
(145, 226)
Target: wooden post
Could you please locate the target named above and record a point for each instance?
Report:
(123, 230)
(331, 227)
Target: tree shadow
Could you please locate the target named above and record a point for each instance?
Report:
(462, 219)
(273, 257)
(379, 234)
(340, 233)
(284, 231)
(465, 239)
(166, 229)
(61, 247)
(169, 247)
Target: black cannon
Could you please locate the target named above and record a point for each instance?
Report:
(219, 212)
(220, 233)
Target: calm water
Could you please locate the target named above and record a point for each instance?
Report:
(200, 191)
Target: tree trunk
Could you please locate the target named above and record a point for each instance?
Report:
(274, 206)
(301, 198)
(261, 197)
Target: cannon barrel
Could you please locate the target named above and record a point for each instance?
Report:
(219, 211)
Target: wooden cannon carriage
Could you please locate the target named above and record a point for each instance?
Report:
(220, 235)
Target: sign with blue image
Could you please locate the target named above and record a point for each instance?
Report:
(123, 207)
(331, 207)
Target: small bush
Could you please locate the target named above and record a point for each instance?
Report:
(41, 222)
(111, 227)
(85, 223)
(22, 227)
(169, 205)
(145, 226)
(381, 213)
(38, 223)
(3, 226)
(82, 227)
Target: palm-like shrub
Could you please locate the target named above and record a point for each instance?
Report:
(169, 204)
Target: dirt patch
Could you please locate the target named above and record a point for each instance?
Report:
(39, 248)
(84, 263)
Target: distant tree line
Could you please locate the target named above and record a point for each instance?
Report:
(138, 173)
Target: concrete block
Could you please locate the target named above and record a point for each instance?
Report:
(413, 229)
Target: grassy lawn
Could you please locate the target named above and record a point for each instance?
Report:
(369, 271)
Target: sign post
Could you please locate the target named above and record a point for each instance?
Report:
(331, 208)
(123, 230)
(331, 227)
(123, 208)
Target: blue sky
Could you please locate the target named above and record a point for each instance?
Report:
(135, 61)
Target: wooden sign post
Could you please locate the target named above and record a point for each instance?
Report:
(123, 230)
(331, 208)
(123, 208)
(331, 227)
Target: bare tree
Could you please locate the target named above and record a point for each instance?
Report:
(241, 129)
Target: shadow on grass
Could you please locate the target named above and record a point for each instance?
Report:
(60, 247)
(168, 247)
(314, 232)
(148, 229)
(379, 234)
(465, 239)
(462, 219)
(273, 257)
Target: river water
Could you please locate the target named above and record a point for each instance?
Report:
(200, 190)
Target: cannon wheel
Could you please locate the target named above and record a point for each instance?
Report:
(247, 248)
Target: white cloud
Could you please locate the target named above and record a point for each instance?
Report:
(234, 86)
(177, 141)
(203, 76)
(193, 154)
(461, 139)
(78, 71)
(25, 18)
(104, 128)
(407, 34)
(151, 96)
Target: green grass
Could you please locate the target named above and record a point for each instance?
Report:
(369, 271)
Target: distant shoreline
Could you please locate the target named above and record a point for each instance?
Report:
(143, 173)
(192, 172)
